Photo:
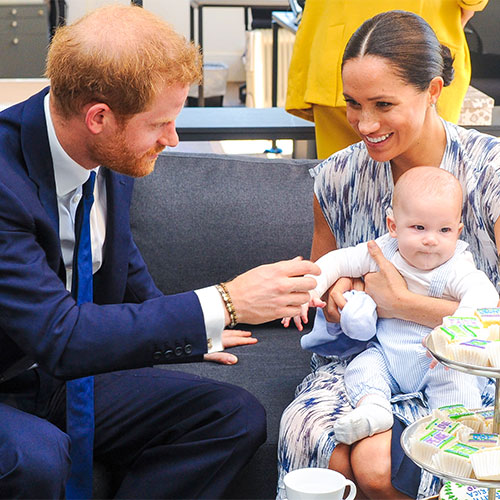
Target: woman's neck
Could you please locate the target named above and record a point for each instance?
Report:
(428, 150)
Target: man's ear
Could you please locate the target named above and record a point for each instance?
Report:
(97, 116)
(391, 226)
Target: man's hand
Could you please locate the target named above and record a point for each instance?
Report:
(386, 287)
(231, 338)
(272, 291)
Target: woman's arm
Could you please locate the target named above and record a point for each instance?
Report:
(497, 238)
(469, 7)
(323, 239)
(324, 242)
(466, 16)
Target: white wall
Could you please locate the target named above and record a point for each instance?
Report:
(223, 27)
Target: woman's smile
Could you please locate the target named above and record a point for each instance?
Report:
(377, 139)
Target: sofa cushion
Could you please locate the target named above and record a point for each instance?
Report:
(203, 218)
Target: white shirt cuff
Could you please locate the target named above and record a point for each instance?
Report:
(213, 315)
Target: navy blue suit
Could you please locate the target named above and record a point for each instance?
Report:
(130, 325)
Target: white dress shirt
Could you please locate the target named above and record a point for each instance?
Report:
(69, 178)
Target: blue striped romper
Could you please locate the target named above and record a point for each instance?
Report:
(397, 362)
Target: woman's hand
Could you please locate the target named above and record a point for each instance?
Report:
(386, 287)
(335, 300)
(231, 338)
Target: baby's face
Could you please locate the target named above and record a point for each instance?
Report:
(427, 230)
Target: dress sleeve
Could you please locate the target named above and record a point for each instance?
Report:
(472, 4)
(491, 184)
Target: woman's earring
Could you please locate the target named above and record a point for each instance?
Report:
(433, 104)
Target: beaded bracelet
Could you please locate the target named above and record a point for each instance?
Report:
(222, 289)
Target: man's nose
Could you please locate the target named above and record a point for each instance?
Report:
(169, 136)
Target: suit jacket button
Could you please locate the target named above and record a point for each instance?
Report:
(157, 355)
(168, 353)
(178, 350)
(188, 348)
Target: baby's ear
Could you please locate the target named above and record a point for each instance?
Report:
(460, 228)
(391, 226)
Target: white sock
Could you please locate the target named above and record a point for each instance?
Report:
(373, 415)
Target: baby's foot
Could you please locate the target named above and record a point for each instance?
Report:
(372, 416)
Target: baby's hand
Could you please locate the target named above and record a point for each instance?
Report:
(314, 301)
(434, 361)
(297, 319)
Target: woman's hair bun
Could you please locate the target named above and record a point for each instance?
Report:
(448, 71)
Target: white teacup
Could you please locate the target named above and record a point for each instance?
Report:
(317, 484)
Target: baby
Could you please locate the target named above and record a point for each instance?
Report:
(423, 245)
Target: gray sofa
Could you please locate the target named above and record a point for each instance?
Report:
(204, 218)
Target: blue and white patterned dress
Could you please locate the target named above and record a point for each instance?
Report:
(354, 192)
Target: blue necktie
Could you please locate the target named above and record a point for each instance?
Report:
(80, 392)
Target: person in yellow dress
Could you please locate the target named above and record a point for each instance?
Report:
(314, 85)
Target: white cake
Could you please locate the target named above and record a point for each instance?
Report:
(472, 352)
(488, 315)
(494, 332)
(486, 414)
(493, 350)
(486, 464)
(460, 431)
(423, 448)
(481, 440)
(470, 322)
(455, 459)
(443, 336)
(459, 413)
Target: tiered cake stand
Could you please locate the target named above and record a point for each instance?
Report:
(410, 430)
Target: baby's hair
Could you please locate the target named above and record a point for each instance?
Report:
(427, 182)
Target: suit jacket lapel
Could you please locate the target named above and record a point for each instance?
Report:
(38, 158)
(109, 284)
(35, 146)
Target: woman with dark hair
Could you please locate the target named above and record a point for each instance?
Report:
(314, 82)
(393, 71)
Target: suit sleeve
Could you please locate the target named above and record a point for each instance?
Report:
(140, 284)
(70, 341)
(476, 5)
